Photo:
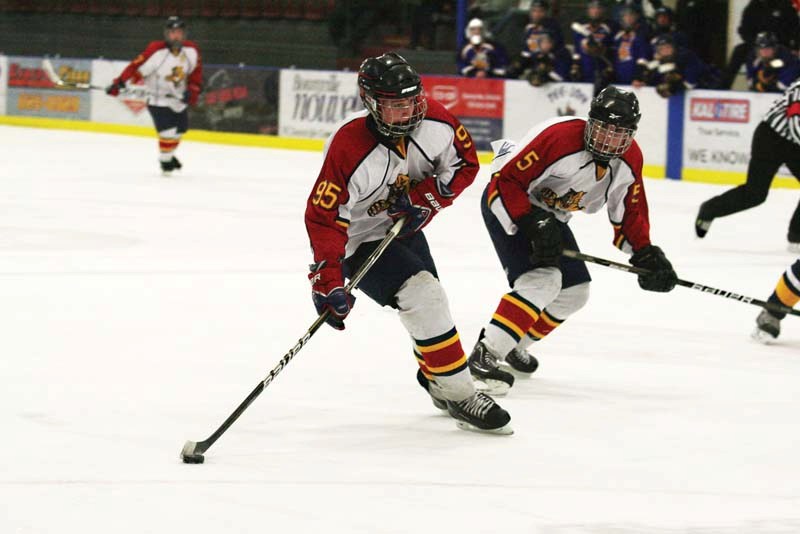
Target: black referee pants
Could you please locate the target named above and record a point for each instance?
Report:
(767, 153)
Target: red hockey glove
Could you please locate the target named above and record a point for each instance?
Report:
(115, 87)
(327, 293)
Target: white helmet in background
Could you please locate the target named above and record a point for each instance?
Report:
(474, 32)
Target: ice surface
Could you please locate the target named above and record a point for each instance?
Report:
(137, 311)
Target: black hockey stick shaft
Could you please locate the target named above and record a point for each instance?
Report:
(202, 446)
(770, 306)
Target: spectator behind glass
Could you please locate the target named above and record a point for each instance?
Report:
(776, 16)
(771, 67)
(675, 69)
(593, 42)
(547, 64)
(631, 46)
(480, 57)
(664, 24)
(643, 7)
(540, 24)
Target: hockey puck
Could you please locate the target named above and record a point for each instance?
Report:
(193, 458)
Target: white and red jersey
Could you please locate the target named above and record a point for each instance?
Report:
(363, 172)
(551, 169)
(167, 74)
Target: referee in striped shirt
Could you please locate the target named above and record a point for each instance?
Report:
(776, 141)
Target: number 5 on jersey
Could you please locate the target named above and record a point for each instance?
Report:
(326, 194)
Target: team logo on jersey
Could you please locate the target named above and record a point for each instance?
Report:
(177, 75)
(569, 201)
(400, 187)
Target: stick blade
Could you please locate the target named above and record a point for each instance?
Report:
(190, 454)
(48, 69)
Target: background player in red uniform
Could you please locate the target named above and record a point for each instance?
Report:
(404, 156)
(173, 73)
(562, 166)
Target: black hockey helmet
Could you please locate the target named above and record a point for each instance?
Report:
(392, 92)
(613, 119)
(174, 23)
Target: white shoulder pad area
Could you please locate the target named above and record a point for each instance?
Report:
(503, 149)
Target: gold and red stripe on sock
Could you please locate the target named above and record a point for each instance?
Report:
(787, 291)
(515, 315)
(443, 355)
(422, 365)
(543, 326)
(166, 144)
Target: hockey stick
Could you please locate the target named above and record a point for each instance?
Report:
(770, 306)
(192, 452)
(58, 82)
(48, 69)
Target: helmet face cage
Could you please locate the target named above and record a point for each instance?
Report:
(382, 106)
(607, 141)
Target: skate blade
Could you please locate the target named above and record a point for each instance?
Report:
(502, 431)
(517, 374)
(763, 337)
(494, 388)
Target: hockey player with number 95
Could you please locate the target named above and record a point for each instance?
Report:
(404, 156)
(562, 166)
(173, 73)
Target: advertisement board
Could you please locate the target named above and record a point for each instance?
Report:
(31, 93)
(526, 105)
(130, 107)
(237, 99)
(478, 104)
(718, 128)
(3, 83)
(313, 102)
(652, 132)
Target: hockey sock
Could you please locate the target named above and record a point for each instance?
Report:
(425, 312)
(787, 291)
(540, 329)
(167, 146)
(513, 318)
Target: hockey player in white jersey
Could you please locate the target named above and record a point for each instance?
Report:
(173, 73)
(404, 156)
(562, 166)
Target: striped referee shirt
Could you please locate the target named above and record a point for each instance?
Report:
(784, 115)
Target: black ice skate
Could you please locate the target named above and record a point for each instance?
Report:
(703, 221)
(480, 413)
(172, 165)
(484, 367)
(432, 390)
(522, 362)
(768, 327)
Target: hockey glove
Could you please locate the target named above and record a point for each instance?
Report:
(114, 89)
(661, 276)
(541, 227)
(327, 293)
(418, 206)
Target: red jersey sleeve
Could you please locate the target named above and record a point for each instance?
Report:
(550, 145)
(458, 163)
(326, 227)
(133, 66)
(194, 83)
(634, 229)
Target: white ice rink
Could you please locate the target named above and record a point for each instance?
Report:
(137, 311)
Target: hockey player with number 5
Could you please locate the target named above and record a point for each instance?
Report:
(562, 166)
(173, 72)
(404, 156)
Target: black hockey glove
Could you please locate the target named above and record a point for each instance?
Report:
(114, 89)
(542, 228)
(661, 276)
